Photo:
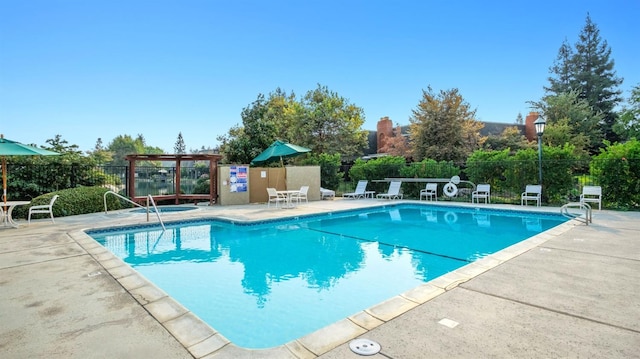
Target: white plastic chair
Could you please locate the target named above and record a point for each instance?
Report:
(274, 197)
(483, 191)
(302, 195)
(592, 194)
(45, 208)
(533, 192)
(393, 192)
(430, 191)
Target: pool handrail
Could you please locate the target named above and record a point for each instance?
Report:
(149, 200)
(564, 210)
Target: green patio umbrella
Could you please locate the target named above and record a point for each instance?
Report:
(279, 150)
(12, 148)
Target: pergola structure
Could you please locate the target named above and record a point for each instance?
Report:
(177, 158)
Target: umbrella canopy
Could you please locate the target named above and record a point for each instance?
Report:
(277, 151)
(12, 148)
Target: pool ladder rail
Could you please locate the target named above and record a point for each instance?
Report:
(587, 218)
(150, 201)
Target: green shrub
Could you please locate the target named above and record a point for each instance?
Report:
(488, 167)
(426, 168)
(557, 175)
(73, 201)
(202, 185)
(396, 166)
(617, 171)
(377, 169)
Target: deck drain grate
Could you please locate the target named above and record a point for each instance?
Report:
(364, 347)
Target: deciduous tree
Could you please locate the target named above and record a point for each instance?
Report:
(330, 124)
(443, 127)
(396, 145)
(124, 145)
(322, 121)
(100, 154)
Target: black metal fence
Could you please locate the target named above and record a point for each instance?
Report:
(562, 180)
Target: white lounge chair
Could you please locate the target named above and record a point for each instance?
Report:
(275, 197)
(483, 191)
(430, 191)
(359, 192)
(533, 192)
(393, 192)
(302, 195)
(592, 194)
(45, 208)
(327, 193)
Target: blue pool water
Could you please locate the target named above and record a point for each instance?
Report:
(165, 209)
(264, 284)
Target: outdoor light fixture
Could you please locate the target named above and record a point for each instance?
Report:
(539, 124)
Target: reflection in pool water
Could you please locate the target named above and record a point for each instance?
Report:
(265, 284)
(165, 209)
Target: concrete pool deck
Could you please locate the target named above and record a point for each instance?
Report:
(568, 292)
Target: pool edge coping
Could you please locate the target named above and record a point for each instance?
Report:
(202, 340)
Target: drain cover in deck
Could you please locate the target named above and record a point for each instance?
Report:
(364, 347)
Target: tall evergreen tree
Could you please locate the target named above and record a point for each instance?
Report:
(179, 147)
(563, 69)
(589, 70)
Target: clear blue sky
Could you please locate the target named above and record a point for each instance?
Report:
(86, 69)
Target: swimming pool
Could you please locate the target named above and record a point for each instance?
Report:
(165, 209)
(266, 283)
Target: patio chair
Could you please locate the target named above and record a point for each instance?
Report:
(592, 194)
(533, 192)
(430, 191)
(393, 192)
(483, 191)
(327, 193)
(275, 197)
(359, 192)
(302, 195)
(45, 208)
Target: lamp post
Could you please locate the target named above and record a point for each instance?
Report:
(539, 124)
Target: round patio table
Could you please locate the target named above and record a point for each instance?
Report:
(8, 207)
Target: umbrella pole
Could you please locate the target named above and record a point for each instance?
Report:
(4, 183)
(285, 173)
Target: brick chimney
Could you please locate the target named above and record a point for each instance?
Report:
(385, 130)
(529, 127)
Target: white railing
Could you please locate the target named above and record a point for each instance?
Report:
(149, 201)
(583, 206)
